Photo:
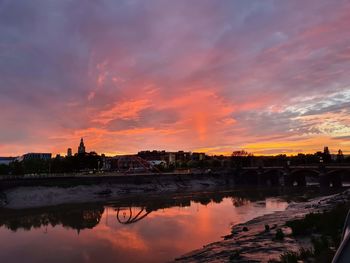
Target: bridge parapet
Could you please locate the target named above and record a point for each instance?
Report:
(290, 175)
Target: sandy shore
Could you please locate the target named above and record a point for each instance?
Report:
(258, 245)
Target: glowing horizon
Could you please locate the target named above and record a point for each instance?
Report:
(268, 77)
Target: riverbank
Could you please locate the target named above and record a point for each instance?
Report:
(259, 240)
(44, 196)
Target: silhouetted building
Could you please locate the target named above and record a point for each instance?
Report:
(168, 157)
(198, 156)
(182, 156)
(154, 155)
(58, 156)
(172, 158)
(31, 156)
(326, 155)
(81, 148)
(340, 156)
(7, 160)
(69, 152)
(326, 150)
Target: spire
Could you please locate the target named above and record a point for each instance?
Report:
(81, 148)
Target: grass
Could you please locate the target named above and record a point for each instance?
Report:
(294, 257)
(329, 223)
(325, 229)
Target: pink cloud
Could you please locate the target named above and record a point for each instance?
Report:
(176, 76)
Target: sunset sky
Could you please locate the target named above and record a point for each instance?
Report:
(200, 75)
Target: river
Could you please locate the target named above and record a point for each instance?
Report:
(139, 229)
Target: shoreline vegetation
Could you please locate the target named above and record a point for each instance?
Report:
(324, 230)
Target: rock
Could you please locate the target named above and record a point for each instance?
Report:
(228, 237)
(279, 234)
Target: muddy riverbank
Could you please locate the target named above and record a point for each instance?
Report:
(44, 196)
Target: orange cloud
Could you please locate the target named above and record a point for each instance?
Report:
(122, 110)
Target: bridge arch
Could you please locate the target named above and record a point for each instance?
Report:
(249, 177)
(336, 177)
(308, 172)
(298, 176)
(270, 177)
(342, 172)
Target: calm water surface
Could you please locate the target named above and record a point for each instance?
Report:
(158, 229)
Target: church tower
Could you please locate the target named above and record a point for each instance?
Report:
(81, 148)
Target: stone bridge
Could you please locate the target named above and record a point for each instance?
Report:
(325, 175)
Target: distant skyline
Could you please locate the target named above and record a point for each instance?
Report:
(266, 76)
